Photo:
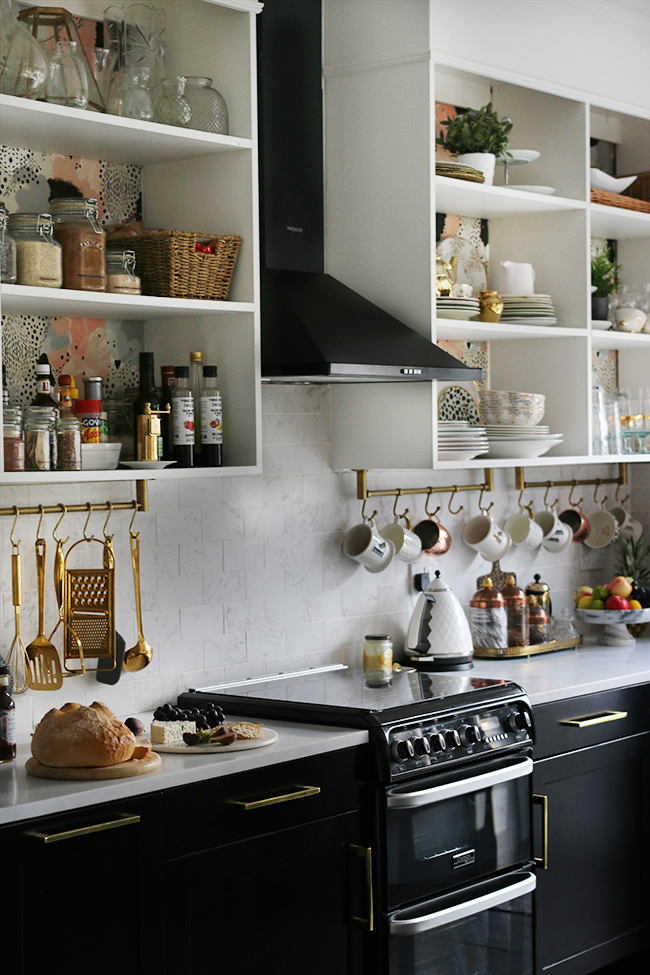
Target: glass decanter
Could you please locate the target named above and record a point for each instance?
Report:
(67, 81)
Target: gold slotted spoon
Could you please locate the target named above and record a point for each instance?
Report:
(17, 657)
(45, 672)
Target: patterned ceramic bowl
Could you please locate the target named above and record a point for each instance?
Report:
(500, 406)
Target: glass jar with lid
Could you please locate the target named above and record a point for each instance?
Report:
(68, 443)
(7, 250)
(377, 658)
(38, 256)
(80, 234)
(538, 622)
(38, 453)
(121, 278)
(516, 602)
(14, 442)
(488, 619)
(48, 415)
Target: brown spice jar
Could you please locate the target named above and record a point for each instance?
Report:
(83, 240)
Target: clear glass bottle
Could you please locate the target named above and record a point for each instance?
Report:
(38, 440)
(14, 440)
(39, 258)
(121, 278)
(208, 106)
(67, 81)
(68, 443)
(211, 420)
(173, 108)
(7, 718)
(80, 234)
(195, 384)
(182, 419)
(7, 250)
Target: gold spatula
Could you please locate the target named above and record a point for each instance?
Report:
(44, 672)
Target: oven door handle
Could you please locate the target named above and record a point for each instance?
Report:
(425, 797)
(427, 922)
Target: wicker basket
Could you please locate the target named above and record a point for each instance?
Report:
(169, 267)
(618, 200)
(640, 188)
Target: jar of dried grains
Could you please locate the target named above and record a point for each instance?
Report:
(14, 443)
(68, 443)
(38, 256)
(7, 250)
(120, 273)
(82, 237)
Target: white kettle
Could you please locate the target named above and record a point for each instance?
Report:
(439, 636)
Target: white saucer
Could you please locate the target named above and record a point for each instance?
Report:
(147, 465)
(547, 190)
(515, 157)
(601, 325)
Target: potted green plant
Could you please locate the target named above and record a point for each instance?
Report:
(604, 282)
(476, 137)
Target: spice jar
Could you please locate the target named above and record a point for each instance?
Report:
(120, 273)
(7, 250)
(68, 443)
(89, 413)
(517, 613)
(82, 237)
(49, 416)
(488, 619)
(38, 256)
(377, 658)
(538, 622)
(14, 443)
(38, 453)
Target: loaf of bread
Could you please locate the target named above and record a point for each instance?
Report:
(244, 729)
(79, 737)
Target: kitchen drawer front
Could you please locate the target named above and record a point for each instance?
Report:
(597, 718)
(236, 807)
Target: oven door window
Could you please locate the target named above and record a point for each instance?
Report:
(484, 930)
(451, 829)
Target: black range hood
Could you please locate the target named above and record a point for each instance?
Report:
(314, 328)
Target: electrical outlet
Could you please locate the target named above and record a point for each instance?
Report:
(592, 558)
(421, 576)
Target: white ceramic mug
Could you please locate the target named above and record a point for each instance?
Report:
(407, 544)
(490, 541)
(365, 545)
(627, 525)
(524, 531)
(630, 319)
(517, 279)
(557, 535)
(603, 528)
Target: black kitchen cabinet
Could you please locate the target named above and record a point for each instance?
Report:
(79, 891)
(272, 872)
(592, 777)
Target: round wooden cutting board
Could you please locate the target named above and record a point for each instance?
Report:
(136, 766)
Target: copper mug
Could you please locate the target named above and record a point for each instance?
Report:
(576, 521)
(435, 538)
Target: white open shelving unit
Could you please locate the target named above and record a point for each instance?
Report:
(193, 181)
(382, 82)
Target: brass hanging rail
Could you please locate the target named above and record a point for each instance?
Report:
(363, 493)
(522, 485)
(141, 503)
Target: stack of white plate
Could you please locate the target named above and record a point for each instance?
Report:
(457, 440)
(461, 309)
(528, 310)
(508, 441)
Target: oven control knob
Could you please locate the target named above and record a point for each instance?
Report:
(470, 734)
(452, 738)
(519, 721)
(437, 742)
(421, 746)
(402, 749)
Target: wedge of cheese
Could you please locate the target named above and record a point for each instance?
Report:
(170, 732)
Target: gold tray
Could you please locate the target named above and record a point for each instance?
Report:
(509, 652)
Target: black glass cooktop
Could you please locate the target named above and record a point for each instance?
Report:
(346, 696)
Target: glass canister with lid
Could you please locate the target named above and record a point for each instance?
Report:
(82, 237)
(40, 436)
(121, 278)
(68, 443)
(488, 619)
(538, 622)
(516, 602)
(7, 249)
(14, 441)
(377, 658)
(38, 255)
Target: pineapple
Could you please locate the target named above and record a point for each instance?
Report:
(634, 560)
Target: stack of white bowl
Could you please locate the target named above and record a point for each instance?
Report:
(512, 421)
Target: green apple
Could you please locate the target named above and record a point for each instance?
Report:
(596, 604)
(601, 592)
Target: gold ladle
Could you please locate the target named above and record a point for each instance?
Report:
(139, 656)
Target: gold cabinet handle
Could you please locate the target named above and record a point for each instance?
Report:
(365, 852)
(302, 793)
(70, 834)
(543, 860)
(592, 719)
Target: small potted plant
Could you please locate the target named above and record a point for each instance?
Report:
(476, 137)
(604, 282)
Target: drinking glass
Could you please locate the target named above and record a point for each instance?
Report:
(599, 433)
(67, 82)
(613, 415)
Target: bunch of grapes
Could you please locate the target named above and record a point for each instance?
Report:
(209, 717)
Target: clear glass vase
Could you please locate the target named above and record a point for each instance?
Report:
(209, 109)
(173, 108)
(23, 62)
(67, 81)
(131, 96)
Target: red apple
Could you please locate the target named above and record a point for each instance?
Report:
(620, 587)
(617, 602)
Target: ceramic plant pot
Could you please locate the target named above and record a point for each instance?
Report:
(483, 161)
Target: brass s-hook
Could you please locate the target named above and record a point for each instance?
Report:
(454, 490)
(108, 518)
(483, 510)
(364, 516)
(520, 503)
(64, 512)
(623, 500)
(13, 527)
(398, 494)
(39, 537)
(89, 508)
(549, 485)
(574, 504)
(428, 513)
(135, 511)
(598, 483)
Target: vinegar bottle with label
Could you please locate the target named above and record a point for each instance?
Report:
(195, 384)
(183, 419)
(7, 718)
(211, 419)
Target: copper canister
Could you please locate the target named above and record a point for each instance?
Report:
(538, 622)
(542, 592)
(516, 602)
(488, 619)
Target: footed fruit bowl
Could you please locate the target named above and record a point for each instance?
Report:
(616, 623)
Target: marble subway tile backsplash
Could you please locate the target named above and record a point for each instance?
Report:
(246, 575)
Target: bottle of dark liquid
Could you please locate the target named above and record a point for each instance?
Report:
(183, 419)
(147, 394)
(43, 383)
(5, 391)
(7, 718)
(168, 382)
(211, 419)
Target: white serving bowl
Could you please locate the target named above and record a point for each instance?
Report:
(613, 615)
(609, 184)
(100, 456)
(504, 407)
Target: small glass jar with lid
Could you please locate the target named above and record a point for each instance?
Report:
(48, 415)
(38, 256)
(516, 602)
(14, 441)
(68, 443)
(38, 453)
(121, 278)
(538, 622)
(377, 658)
(7, 250)
(488, 619)
(82, 237)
